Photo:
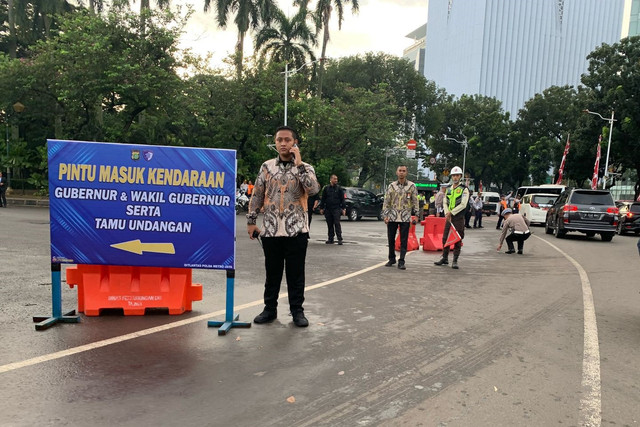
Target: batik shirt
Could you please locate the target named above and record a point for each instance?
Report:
(282, 189)
(400, 202)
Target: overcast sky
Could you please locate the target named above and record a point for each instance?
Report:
(380, 25)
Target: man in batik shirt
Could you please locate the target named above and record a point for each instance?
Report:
(282, 188)
(400, 204)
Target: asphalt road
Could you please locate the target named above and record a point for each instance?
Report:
(500, 342)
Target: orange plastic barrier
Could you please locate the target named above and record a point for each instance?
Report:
(412, 241)
(134, 289)
(432, 234)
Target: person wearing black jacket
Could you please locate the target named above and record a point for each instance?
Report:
(332, 206)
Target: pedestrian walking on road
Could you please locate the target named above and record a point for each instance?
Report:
(282, 188)
(478, 204)
(455, 205)
(503, 206)
(468, 213)
(3, 191)
(514, 229)
(312, 204)
(439, 200)
(400, 204)
(332, 206)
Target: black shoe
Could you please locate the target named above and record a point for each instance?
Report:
(340, 242)
(510, 251)
(454, 265)
(329, 242)
(390, 263)
(475, 226)
(443, 261)
(299, 320)
(519, 252)
(480, 226)
(401, 266)
(467, 226)
(266, 317)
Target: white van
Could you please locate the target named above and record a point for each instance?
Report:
(491, 203)
(535, 206)
(543, 189)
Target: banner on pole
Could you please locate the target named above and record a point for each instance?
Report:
(142, 205)
(564, 160)
(596, 167)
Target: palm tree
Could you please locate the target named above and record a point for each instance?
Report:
(323, 11)
(249, 13)
(287, 40)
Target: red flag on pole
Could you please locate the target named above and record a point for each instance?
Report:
(594, 179)
(480, 187)
(452, 238)
(564, 160)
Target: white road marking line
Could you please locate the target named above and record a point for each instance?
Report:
(591, 401)
(115, 340)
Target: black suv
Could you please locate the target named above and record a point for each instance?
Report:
(629, 218)
(586, 211)
(361, 202)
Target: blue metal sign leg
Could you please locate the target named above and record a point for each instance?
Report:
(230, 317)
(56, 302)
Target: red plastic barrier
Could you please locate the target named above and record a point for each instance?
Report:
(133, 289)
(412, 241)
(432, 233)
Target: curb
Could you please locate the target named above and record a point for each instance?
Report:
(36, 203)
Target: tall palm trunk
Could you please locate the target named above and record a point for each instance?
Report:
(239, 54)
(325, 41)
(13, 39)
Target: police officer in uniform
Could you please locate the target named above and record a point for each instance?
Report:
(455, 206)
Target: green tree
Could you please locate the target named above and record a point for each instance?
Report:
(248, 14)
(543, 125)
(287, 40)
(614, 78)
(323, 12)
(486, 127)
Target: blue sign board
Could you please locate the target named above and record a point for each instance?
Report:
(142, 205)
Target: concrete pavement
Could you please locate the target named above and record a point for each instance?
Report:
(498, 342)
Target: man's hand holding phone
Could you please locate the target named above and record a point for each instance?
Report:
(295, 150)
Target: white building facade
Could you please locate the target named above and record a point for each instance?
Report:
(513, 49)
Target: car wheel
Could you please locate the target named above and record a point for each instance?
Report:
(547, 229)
(620, 229)
(380, 217)
(557, 232)
(353, 214)
(607, 237)
(590, 233)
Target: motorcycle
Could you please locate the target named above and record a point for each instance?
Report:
(242, 202)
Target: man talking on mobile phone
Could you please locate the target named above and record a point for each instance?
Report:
(282, 188)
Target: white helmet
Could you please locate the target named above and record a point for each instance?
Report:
(456, 170)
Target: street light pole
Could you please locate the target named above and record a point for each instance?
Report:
(464, 143)
(606, 165)
(6, 124)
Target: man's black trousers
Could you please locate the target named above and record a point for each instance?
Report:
(516, 237)
(392, 227)
(477, 222)
(333, 223)
(288, 254)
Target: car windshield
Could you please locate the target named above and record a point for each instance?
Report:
(591, 198)
(544, 200)
(635, 208)
(494, 199)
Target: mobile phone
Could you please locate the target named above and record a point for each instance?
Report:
(295, 146)
(255, 234)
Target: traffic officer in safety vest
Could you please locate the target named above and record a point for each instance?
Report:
(455, 206)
